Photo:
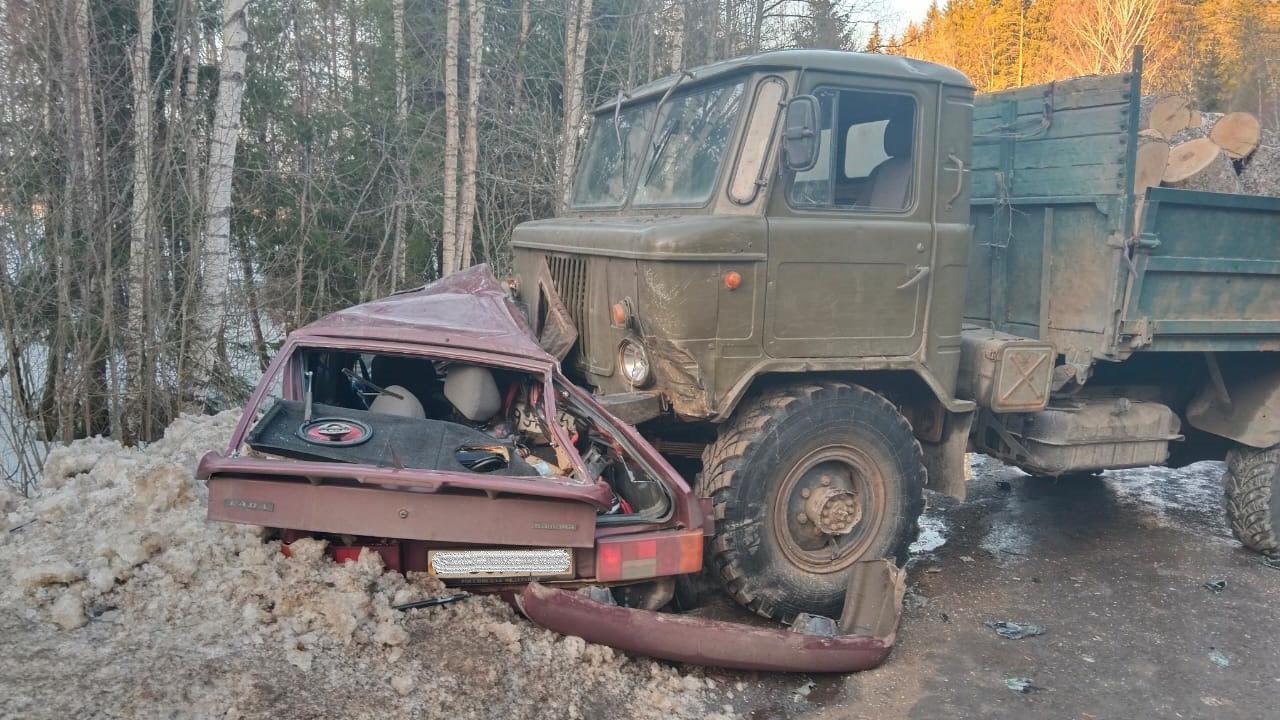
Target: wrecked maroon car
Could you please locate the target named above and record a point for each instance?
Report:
(432, 428)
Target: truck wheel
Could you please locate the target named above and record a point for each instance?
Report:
(805, 481)
(1251, 484)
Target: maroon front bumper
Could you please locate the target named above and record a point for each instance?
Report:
(704, 641)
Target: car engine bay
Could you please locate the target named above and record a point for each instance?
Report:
(423, 413)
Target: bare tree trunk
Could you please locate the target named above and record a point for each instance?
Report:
(251, 299)
(757, 25)
(471, 141)
(193, 181)
(138, 332)
(398, 255)
(449, 229)
(578, 33)
(677, 36)
(521, 42)
(215, 244)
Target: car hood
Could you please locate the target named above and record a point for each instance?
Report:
(469, 309)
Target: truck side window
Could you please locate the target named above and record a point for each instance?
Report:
(867, 158)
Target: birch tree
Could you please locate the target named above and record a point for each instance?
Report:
(399, 262)
(215, 241)
(471, 141)
(449, 226)
(137, 362)
(577, 37)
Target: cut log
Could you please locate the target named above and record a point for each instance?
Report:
(1237, 134)
(1201, 122)
(1152, 157)
(1169, 115)
(1149, 166)
(1261, 174)
(1200, 165)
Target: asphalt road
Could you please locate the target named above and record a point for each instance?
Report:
(1114, 569)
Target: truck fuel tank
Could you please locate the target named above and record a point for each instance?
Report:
(1081, 435)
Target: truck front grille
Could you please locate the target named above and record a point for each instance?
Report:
(569, 273)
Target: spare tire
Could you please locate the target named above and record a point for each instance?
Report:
(805, 481)
(1251, 485)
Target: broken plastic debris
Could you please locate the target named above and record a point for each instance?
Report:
(1215, 586)
(1021, 685)
(1013, 630)
(803, 691)
(819, 625)
(1219, 659)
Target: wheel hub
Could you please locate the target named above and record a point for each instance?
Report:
(832, 511)
(828, 508)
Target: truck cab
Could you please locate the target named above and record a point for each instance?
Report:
(798, 211)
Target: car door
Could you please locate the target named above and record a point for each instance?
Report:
(850, 240)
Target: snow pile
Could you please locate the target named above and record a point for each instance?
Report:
(116, 572)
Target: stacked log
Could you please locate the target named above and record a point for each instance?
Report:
(1228, 153)
(1200, 165)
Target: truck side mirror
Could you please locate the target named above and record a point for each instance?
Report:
(800, 133)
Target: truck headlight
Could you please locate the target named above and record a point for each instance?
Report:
(635, 362)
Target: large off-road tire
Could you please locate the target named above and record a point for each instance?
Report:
(834, 449)
(1251, 488)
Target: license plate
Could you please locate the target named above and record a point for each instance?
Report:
(540, 562)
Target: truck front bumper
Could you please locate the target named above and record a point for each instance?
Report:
(872, 610)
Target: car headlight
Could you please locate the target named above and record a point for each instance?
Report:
(635, 362)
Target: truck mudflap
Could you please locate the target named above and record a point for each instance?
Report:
(866, 633)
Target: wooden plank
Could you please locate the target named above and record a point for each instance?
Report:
(1075, 100)
(1086, 122)
(1081, 180)
(1068, 152)
(1046, 273)
(1086, 85)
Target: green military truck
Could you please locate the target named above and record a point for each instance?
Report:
(824, 276)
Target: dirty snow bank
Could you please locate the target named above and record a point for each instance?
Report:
(124, 601)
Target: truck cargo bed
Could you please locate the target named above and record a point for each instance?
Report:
(1061, 254)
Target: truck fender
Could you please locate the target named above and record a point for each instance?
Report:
(1240, 406)
(944, 461)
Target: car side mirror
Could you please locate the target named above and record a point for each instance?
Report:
(800, 133)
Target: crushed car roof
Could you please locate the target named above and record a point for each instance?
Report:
(468, 309)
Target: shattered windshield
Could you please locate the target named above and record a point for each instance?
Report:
(679, 165)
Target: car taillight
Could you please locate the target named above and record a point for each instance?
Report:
(632, 557)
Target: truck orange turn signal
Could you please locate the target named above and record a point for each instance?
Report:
(634, 557)
(619, 313)
(732, 280)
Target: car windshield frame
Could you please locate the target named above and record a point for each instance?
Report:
(636, 171)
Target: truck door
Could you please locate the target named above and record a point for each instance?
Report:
(850, 240)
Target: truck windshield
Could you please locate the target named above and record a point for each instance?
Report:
(613, 153)
(680, 165)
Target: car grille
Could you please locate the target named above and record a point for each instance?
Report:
(569, 273)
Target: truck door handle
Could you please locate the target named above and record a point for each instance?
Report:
(960, 170)
(922, 271)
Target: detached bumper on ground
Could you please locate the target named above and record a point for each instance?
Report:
(868, 628)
